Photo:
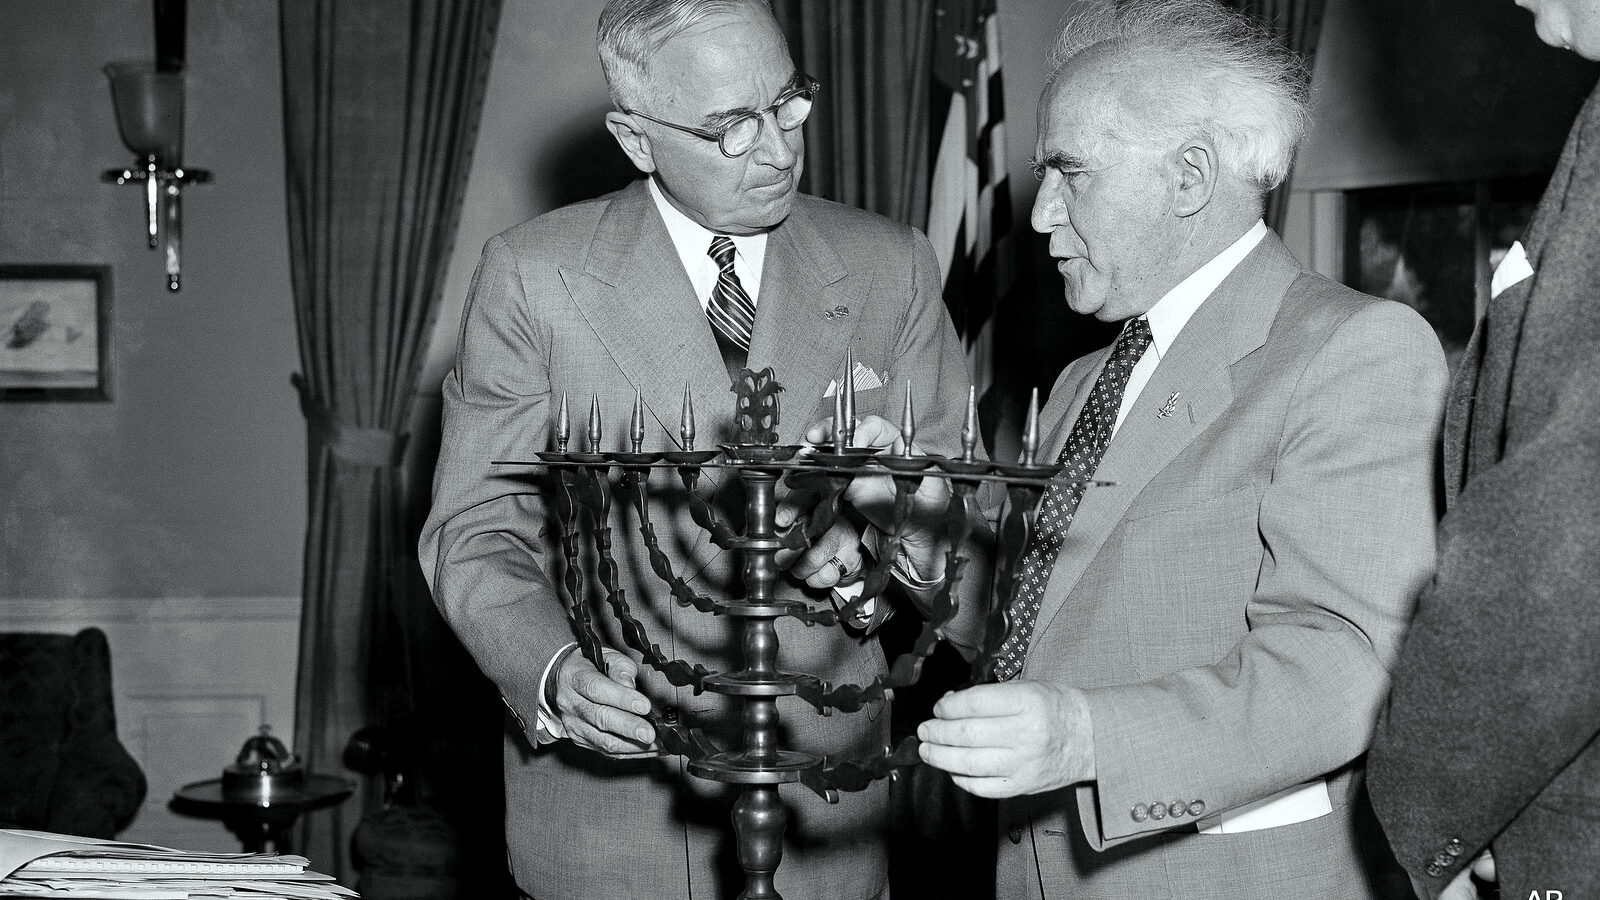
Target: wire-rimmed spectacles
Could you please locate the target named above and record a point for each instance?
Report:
(739, 135)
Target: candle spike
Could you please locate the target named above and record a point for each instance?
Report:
(686, 421)
(563, 426)
(594, 423)
(848, 388)
(908, 422)
(1030, 431)
(838, 419)
(636, 422)
(969, 429)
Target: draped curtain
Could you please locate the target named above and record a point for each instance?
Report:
(1298, 24)
(381, 101)
(867, 141)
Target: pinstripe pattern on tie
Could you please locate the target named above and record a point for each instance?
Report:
(731, 311)
(1087, 442)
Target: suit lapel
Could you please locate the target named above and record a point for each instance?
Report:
(634, 294)
(1460, 407)
(805, 318)
(1560, 315)
(1481, 399)
(1229, 325)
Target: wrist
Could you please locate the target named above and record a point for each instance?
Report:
(552, 679)
(919, 565)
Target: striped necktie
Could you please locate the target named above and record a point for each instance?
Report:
(1085, 445)
(731, 311)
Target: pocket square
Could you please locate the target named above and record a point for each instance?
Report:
(866, 380)
(1513, 268)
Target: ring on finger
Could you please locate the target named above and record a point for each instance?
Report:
(845, 575)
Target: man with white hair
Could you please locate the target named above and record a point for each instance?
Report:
(1200, 641)
(712, 262)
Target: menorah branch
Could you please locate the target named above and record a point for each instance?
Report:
(1015, 532)
(567, 506)
(677, 672)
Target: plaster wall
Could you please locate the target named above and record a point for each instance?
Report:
(190, 481)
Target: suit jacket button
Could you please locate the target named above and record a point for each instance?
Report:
(1158, 810)
(1442, 859)
(1177, 808)
(1197, 807)
(1454, 848)
(1015, 833)
(1435, 869)
(1140, 812)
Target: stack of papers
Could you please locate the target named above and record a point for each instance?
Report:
(36, 864)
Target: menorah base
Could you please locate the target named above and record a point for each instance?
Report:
(744, 767)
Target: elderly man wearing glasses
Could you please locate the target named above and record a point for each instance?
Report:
(712, 262)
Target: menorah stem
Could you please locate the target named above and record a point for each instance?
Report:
(759, 819)
(760, 522)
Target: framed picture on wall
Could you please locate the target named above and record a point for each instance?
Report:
(55, 332)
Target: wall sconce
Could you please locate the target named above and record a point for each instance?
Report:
(149, 105)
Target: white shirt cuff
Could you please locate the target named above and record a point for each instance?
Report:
(902, 569)
(1301, 803)
(549, 724)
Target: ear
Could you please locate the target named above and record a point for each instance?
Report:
(1197, 177)
(634, 142)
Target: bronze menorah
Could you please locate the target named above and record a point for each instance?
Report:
(583, 494)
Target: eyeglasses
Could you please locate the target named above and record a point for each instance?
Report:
(739, 135)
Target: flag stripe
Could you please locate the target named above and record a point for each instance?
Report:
(969, 214)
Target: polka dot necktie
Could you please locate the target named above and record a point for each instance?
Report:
(1085, 445)
(731, 311)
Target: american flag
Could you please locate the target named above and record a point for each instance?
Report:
(969, 200)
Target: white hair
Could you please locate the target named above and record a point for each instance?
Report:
(1218, 74)
(631, 31)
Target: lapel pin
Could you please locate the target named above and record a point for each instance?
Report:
(838, 312)
(1171, 406)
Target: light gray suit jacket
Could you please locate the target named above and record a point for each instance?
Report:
(1232, 604)
(592, 299)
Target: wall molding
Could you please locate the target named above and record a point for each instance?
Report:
(192, 678)
(39, 611)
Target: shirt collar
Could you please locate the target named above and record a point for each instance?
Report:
(692, 240)
(1174, 310)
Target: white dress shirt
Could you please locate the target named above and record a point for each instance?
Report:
(693, 243)
(1173, 311)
